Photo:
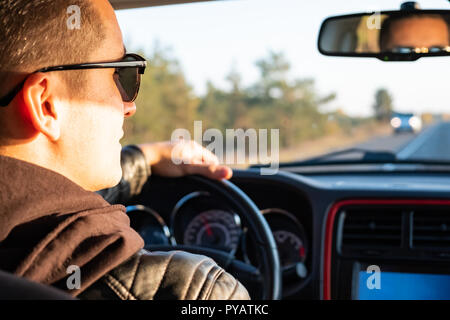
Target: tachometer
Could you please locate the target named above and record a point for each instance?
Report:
(217, 229)
(289, 235)
(290, 247)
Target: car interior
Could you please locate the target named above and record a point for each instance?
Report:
(322, 228)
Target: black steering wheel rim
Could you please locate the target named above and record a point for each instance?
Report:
(270, 267)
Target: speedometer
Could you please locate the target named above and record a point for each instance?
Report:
(216, 229)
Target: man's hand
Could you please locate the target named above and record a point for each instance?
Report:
(184, 158)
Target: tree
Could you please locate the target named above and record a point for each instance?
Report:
(383, 105)
(275, 101)
(273, 70)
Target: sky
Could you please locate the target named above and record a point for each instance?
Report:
(211, 38)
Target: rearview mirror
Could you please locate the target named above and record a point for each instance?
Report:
(389, 35)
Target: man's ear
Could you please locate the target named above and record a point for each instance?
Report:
(38, 98)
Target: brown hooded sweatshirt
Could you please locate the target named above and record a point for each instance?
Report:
(48, 223)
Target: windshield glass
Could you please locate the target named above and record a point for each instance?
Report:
(219, 67)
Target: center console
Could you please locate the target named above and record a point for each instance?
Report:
(387, 249)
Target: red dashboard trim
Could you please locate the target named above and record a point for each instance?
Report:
(330, 223)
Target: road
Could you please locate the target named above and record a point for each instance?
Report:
(432, 143)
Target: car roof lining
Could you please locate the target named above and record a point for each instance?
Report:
(130, 4)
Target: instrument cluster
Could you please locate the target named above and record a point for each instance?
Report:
(200, 219)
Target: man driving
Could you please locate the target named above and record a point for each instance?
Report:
(416, 33)
(64, 95)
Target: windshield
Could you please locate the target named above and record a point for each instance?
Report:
(227, 69)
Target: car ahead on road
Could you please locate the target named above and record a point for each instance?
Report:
(405, 122)
(349, 223)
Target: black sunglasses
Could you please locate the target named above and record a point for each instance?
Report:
(127, 76)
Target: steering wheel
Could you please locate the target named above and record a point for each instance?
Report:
(268, 274)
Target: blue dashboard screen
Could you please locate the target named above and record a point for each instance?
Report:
(403, 286)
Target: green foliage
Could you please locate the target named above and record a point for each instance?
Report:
(383, 105)
(275, 101)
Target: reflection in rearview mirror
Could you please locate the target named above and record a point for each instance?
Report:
(394, 35)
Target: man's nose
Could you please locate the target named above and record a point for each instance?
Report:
(129, 109)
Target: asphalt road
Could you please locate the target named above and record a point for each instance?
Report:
(432, 143)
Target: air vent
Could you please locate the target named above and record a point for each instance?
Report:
(371, 228)
(431, 229)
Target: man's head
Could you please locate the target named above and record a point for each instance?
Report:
(68, 121)
(416, 31)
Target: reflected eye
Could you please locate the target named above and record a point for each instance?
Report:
(435, 49)
(403, 50)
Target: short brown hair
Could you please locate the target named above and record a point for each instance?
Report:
(35, 34)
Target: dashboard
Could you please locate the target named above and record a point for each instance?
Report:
(314, 219)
